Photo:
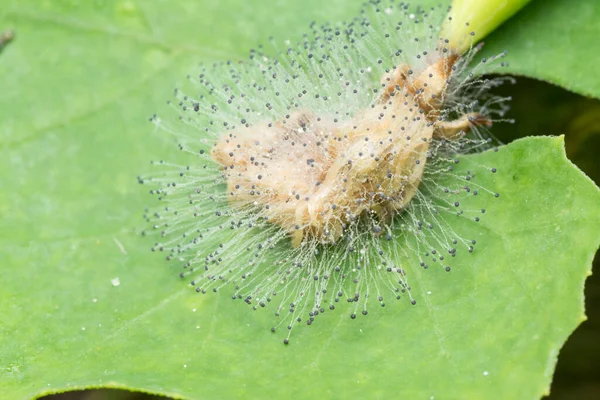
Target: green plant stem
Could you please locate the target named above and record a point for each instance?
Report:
(471, 20)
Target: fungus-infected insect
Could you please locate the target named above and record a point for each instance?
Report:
(314, 176)
(321, 175)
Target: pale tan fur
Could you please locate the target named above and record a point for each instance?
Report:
(312, 175)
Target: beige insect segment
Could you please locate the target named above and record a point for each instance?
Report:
(315, 175)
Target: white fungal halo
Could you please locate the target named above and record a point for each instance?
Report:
(316, 169)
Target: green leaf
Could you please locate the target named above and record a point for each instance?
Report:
(555, 41)
(77, 86)
(471, 20)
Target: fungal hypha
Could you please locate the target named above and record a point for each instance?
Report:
(323, 174)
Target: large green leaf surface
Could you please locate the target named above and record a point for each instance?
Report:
(76, 90)
(555, 41)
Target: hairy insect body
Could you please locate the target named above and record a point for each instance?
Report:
(352, 137)
(314, 175)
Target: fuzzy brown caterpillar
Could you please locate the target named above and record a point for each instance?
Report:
(315, 175)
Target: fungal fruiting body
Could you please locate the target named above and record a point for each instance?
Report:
(323, 174)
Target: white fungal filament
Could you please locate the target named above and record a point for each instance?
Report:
(314, 176)
(320, 175)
